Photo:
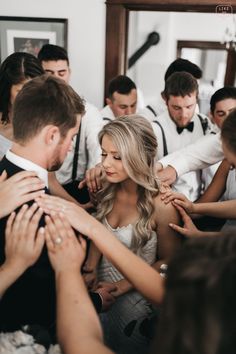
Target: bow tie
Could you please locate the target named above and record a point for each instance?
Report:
(189, 127)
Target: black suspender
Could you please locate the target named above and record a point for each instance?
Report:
(204, 123)
(165, 151)
(108, 119)
(76, 154)
(152, 110)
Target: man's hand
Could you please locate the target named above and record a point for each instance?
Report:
(93, 179)
(167, 175)
(159, 167)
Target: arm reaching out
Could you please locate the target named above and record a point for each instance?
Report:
(204, 152)
(217, 186)
(189, 229)
(143, 277)
(78, 327)
(167, 175)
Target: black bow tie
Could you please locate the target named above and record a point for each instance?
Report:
(189, 127)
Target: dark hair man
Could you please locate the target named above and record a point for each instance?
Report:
(179, 126)
(222, 102)
(85, 151)
(121, 98)
(178, 65)
(46, 117)
(55, 61)
(208, 150)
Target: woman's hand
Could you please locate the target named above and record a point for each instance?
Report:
(188, 229)
(65, 251)
(23, 243)
(18, 189)
(180, 199)
(77, 217)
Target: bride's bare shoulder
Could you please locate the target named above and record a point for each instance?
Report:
(165, 209)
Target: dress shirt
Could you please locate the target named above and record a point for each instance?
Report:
(28, 166)
(106, 112)
(189, 183)
(204, 152)
(159, 107)
(89, 148)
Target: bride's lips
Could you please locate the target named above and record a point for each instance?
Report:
(109, 173)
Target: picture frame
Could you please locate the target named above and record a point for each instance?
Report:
(29, 34)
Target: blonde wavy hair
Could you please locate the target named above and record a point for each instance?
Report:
(136, 144)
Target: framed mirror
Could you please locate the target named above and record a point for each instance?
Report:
(119, 19)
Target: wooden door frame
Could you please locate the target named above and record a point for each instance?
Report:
(117, 20)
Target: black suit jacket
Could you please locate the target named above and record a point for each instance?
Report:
(31, 299)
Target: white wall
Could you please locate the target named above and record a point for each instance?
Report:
(86, 38)
(149, 71)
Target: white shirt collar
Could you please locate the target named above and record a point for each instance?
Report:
(28, 166)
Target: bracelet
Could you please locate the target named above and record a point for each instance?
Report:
(163, 270)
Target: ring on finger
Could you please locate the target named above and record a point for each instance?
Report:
(58, 240)
(63, 208)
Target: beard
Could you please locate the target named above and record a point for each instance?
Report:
(55, 166)
(57, 161)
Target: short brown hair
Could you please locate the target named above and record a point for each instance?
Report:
(42, 101)
(180, 84)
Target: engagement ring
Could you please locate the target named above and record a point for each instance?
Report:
(58, 240)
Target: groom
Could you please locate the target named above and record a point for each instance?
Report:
(46, 117)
